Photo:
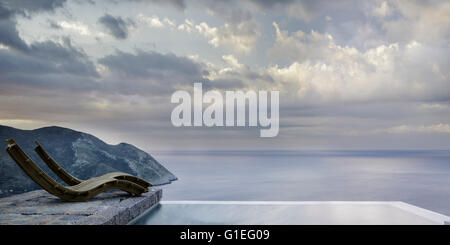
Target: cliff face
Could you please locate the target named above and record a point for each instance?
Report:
(81, 154)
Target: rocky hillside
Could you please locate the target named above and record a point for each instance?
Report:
(81, 154)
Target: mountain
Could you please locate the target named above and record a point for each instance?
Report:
(81, 154)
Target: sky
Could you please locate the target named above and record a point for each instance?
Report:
(351, 74)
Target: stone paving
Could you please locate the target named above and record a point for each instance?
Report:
(109, 208)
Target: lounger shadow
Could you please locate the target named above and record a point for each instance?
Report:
(78, 190)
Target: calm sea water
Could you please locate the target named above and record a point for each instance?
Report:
(420, 178)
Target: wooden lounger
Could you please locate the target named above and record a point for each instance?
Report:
(78, 190)
(71, 180)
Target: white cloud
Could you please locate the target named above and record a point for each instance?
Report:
(3, 46)
(433, 107)
(169, 22)
(187, 26)
(152, 21)
(322, 70)
(231, 60)
(436, 128)
(439, 128)
(382, 10)
(78, 27)
(419, 21)
(155, 22)
(300, 45)
(237, 37)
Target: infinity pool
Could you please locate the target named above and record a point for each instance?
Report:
(288, 213)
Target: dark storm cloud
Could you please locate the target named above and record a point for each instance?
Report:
(47, 65)
(4, 12)
(312, 5)
(272, 3)
(116, 26)
(151, 64)
(42, 57)
(65, 57)
(39, 65)
(9, 35)
(159, 74)
(150, 72)
(31, 6)
(179, 4)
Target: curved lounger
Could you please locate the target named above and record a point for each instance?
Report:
(71, 180)
(79, 192)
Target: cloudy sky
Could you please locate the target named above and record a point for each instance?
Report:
(351, 74)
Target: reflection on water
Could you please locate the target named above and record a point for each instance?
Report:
(421, 178)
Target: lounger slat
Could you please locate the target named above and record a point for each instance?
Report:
(55, 167)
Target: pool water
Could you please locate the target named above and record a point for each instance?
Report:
(288, 213)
